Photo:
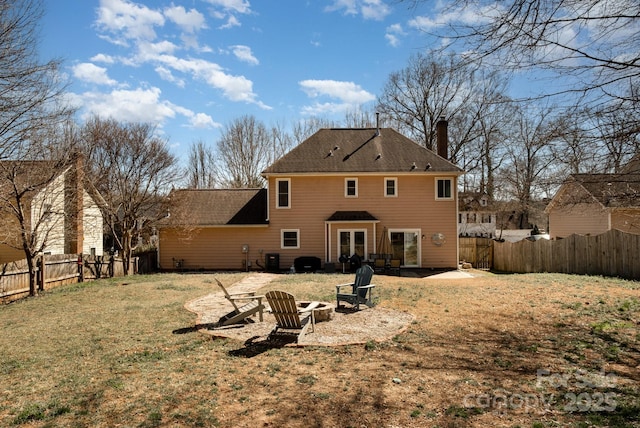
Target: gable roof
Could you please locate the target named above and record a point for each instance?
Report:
(211, 207)
(609, 190)
(344, 150)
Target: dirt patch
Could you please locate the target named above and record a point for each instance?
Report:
(345, 327)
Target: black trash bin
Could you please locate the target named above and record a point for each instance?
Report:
(273, 262)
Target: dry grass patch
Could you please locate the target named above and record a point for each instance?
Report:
(496, 350)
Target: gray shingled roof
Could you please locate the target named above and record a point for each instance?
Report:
(359, 150)
(211, 207)
(612, 190)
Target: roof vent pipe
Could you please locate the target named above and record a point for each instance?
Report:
(377, 124)
(442, 137)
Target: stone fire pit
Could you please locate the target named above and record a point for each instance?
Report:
(323, 312)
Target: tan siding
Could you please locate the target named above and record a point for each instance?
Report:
(315, 199)
(579, 219)
(626, 220)
(214, 248)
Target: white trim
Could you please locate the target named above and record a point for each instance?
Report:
(450, 180)
(278, 206)
(395, 187)
(282, 232)
(346, 187)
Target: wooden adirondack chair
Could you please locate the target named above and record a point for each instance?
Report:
(361, 289)
(290, 319)
(243, 312)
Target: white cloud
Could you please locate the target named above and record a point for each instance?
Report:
(468, 15)
(239, 6)
(107, 59)
(235, 88)
(347, 92)
(348, 96)
(393, 34)
(243, 53)
(203, 121)
(190, 21)
(370, 9)
(150, 50)
(231, 22)
(89, 72)
(165, 74)
(126, 20)
(138, 105)
(375, 9)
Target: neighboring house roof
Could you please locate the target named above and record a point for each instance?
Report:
(609, 190)
(633, 166)
(362, 150)
(474, 201)
(211, 207)
(28, 173)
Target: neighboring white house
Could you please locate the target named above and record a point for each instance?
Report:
(475, 215)
(64, 214)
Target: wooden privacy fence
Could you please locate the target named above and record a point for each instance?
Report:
(477, 251)
(55, 270)
(613, 253)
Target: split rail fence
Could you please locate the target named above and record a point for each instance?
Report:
(56, 270)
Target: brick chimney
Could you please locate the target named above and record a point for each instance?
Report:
(442, 137)
(74, 207)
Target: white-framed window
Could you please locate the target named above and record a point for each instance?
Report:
(390, 187)
(289, 238)
(352, 241)
(283, 193)
(444, 188)
(351, 187)
(486, 218)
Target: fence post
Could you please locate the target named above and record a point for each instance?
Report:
(111, 262)
(80, 268)
(41, 275)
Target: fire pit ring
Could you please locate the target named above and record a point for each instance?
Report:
(322, 312)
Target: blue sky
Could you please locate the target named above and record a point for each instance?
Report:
(192, 66)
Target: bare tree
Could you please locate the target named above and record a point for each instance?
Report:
(305, 128)
(133, 170)
(358, 118)
(434, 86)
(246, 150)
(595, 41)
(31, 108)
(202, 168)
(527, 174)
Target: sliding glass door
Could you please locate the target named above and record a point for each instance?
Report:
(405, 246)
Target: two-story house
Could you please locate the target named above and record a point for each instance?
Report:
(340, 192)
(60, 211)
(476, 217)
